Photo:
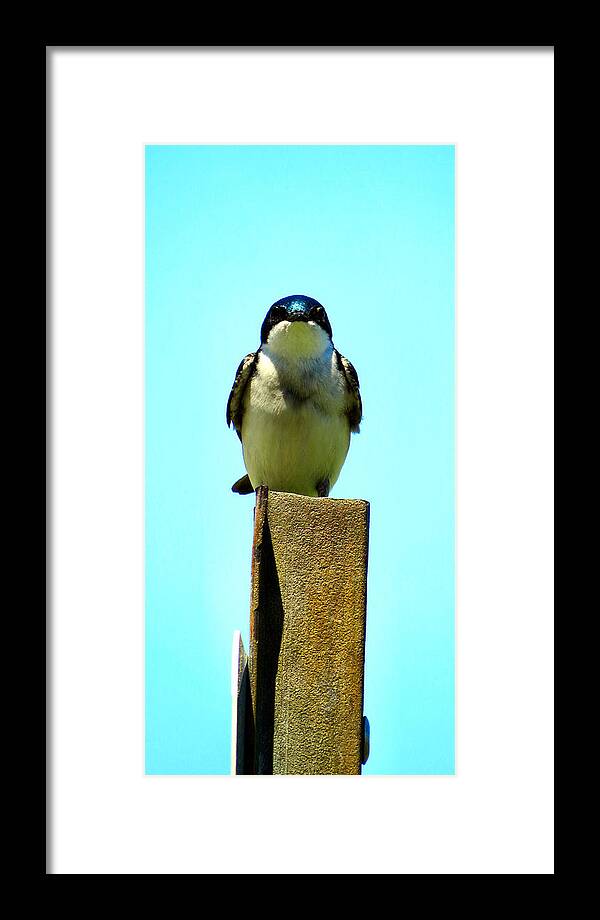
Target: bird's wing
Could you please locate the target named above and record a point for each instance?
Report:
(235, 403)
(354, 410)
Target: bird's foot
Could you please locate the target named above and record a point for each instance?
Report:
(323, 488)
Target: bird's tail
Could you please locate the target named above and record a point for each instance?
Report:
(243, 486)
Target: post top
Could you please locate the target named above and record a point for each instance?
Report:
(308, 501)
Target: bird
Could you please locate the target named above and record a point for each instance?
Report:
(294, 403)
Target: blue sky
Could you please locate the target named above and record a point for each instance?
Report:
(369, 232)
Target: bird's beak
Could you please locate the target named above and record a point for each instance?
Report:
(297, 317)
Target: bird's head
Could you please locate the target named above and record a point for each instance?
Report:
(296, 326)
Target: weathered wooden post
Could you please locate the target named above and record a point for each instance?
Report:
(299, 704)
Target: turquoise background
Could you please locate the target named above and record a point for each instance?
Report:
(369, 232)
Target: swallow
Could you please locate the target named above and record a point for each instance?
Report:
(294, 403)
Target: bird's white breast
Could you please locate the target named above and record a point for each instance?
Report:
(295, 432)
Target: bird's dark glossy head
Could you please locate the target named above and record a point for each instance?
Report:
(295, 308)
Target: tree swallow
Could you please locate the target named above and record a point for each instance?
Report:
(294, 403)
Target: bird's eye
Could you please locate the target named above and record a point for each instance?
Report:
(317, 312)
(278, 313)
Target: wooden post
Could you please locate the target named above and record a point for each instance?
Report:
(307, 634)
(242, 721)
